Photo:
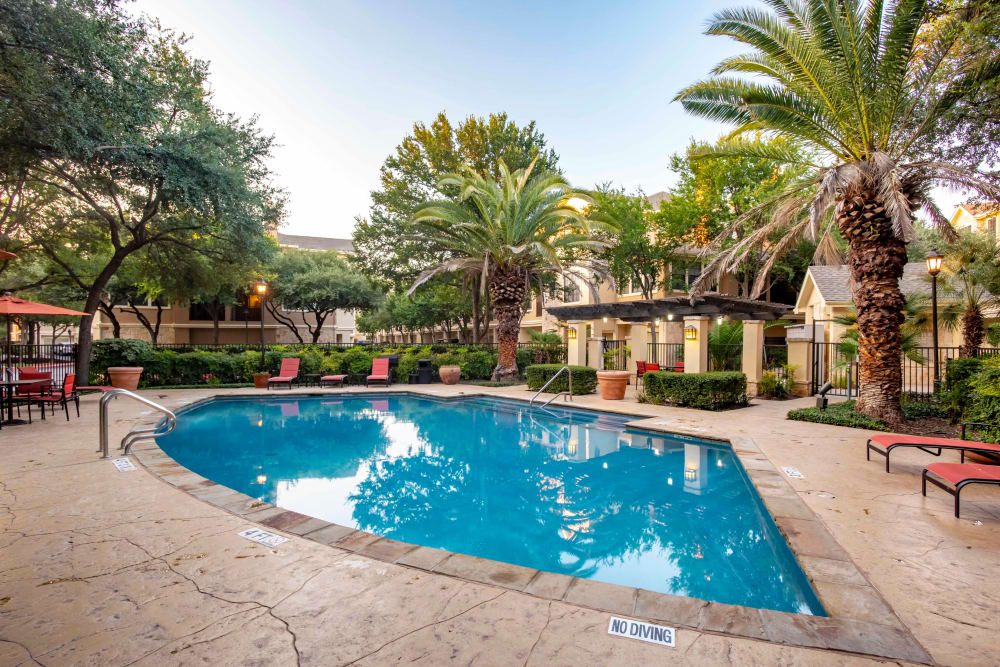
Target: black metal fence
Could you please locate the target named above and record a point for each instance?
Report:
(57, 360)
(831, 363)
(667, 355)
(615, 355)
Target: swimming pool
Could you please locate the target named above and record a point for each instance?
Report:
(561, 490)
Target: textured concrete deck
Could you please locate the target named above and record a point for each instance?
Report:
(102, 567)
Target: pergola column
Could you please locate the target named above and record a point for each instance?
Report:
(576, 343)
(696, 350)
(639, 345)
(800, 348)
(753, 353)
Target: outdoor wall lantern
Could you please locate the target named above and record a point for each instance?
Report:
(572, 334)
(719, 320)
(690, 333)
(670, 316)
(605, 319)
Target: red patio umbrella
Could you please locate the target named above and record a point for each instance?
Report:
(11, 305)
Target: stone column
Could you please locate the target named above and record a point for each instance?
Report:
(800, 340)
(753, 353)
(576, 343)
(595, 353)
(696, 351)
(639, 345)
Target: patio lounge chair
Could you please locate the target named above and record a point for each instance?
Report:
(27, 394)
(288, 374)
(934, 446)
(332, 380)
(959, 475)
(68, 394)
(380, 371)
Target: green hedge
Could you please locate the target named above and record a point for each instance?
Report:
(838, 414)
(584, 378)
(984, 400)
(705, 391)
(167, 367)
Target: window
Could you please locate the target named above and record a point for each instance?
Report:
(247, 309)
(198, 312)
(538, 306)
(991, 226)
(571, 292)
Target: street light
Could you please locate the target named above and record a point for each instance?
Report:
(934, 260)
(261, 289)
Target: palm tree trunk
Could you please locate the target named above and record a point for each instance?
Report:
(507, 292)
(973, 331)
(877, 258)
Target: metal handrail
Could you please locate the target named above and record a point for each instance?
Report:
(569, 394)
(133, 436)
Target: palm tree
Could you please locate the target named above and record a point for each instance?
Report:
(512, 231)
(971, 272)
(843, 83)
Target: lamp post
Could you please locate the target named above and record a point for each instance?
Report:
(261, 288)
(933, 260)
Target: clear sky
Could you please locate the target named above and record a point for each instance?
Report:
(340, 84)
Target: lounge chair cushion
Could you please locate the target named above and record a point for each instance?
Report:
(890, 439)
(332, 378)
(378, 377)
(958, 472)
(282, 379)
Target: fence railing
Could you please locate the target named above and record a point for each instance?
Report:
(58, 359)
(667, 355)
(615, 355)
(831, 364)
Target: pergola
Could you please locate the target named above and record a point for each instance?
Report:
(697, 313)
(709, 305)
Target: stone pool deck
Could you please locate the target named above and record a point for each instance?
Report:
(114, 568)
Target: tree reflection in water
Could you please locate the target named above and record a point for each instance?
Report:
(573, 493)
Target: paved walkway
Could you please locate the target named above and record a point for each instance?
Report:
(109, 568)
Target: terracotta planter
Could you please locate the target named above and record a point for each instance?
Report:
(450, 374)
(260, 380)
(125, 377)
(612, 384)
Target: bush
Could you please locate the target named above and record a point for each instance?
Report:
(924, 409)
(984, 400)
(584, 378)
(705, 391)
(117, 352)
(771, 386)
(838, 414)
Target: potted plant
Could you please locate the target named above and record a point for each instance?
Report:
(450, 374)
(612, 384)
(125, 377)
(260, 380)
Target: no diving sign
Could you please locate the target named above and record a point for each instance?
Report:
(647, 632)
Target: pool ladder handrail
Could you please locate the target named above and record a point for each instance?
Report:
(132, 437)
(569, 394)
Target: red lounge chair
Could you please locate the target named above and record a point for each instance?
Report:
(332, 380)
(652, 368)
(959, 475)
(679, 367)
(380, 371)
(890, 441)
(288, 374)
(68, 394)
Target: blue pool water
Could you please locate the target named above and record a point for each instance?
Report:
(568, 491)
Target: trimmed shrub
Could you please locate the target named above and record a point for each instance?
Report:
(984, 400)
(838, 414)
(117, 352)
(924, 409)
(584, 378)
(705, 391)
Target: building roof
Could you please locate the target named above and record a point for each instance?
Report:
(983, 208)
(657, 198)
(314, 242)
(834, 282)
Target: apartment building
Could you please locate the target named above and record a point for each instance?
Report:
(196, 323)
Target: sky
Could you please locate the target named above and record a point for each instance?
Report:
(340, 84)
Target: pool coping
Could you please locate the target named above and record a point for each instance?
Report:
(859, 621)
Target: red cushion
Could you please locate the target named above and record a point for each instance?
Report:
(925, 441)
(378, 377)
(280, 379)
(956, 472)
(332, 378)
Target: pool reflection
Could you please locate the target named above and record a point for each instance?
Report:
(571, 492)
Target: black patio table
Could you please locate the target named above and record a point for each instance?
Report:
(8, 387)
